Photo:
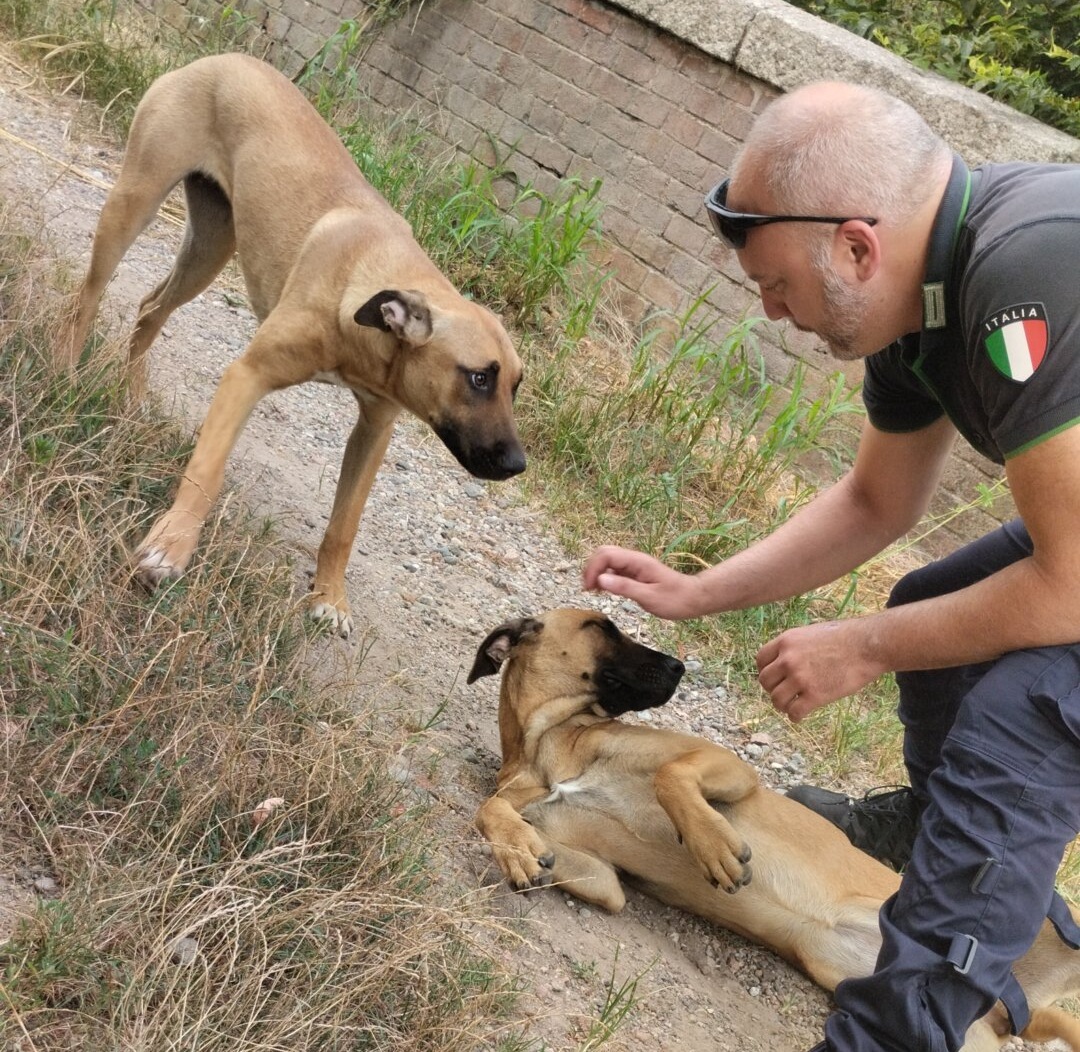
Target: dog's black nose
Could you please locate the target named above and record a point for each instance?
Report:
(495, 460)
(512, 460)
(506, 461)
(674, 666)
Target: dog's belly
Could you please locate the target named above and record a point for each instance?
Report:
(789, 905)
(616, 819)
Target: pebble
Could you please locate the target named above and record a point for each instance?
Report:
(46, 886)
(183, 951)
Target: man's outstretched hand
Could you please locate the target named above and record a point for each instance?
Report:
(647, 581)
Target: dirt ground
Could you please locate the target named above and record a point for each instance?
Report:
(440, 559)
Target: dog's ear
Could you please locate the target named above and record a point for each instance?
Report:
(500, 641)
(404, 313)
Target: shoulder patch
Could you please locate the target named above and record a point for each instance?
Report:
(1016, 339)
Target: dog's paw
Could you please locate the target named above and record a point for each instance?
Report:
(725, 866)
(166, 550)
(334, 617)
(524, 869)
(745, 876)
(154, 566)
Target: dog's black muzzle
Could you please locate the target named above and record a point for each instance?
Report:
(496, 461)
(641, 679)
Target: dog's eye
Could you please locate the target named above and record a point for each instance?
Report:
(479, 381)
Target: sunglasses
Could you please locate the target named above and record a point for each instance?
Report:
(732, 226)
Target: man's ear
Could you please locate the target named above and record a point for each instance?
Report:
(860, 250)
(496, 648)
(404, 313)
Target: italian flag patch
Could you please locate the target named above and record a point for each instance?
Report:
(1016, 339)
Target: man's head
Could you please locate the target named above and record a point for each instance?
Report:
(870, 172)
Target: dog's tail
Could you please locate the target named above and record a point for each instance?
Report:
(1053, 1024)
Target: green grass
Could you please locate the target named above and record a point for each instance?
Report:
(1023, 54)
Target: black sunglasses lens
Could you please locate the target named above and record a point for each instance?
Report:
(734, 235)
(728, 230)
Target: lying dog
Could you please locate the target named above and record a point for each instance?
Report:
(343, 292)
(583, 798)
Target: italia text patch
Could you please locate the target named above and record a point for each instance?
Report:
(1016, 339)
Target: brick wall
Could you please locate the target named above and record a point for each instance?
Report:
(585, 90)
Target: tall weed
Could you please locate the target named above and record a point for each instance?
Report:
(693, 432)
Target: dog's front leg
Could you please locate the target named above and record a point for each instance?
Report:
(1049, 1023)
(518, 849)
(363, 455)
(684, 786)
(270, 363)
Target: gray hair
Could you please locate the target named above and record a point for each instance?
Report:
(843, 149)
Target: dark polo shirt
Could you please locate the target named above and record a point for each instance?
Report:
(999, 351)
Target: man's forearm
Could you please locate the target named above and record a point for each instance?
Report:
(1013, 609)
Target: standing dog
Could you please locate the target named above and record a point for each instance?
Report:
(343, 292)
(583, 798)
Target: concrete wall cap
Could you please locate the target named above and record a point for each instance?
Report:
(786, 47)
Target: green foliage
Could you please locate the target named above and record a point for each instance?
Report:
(331, 73)
(1026, 55)
(523, 253)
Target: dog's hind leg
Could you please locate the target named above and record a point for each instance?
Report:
(130, 206)
(209, 243)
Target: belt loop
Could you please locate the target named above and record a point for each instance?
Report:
(962, 951)
(1016, 1004)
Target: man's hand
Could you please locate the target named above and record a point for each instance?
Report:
(647, 581)
(805, 668)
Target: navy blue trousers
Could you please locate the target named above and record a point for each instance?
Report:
(993, 753)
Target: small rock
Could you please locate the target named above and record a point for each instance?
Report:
(183, 951)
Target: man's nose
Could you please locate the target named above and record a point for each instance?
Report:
(774, 306)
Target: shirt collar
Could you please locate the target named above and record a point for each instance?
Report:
(943, 236)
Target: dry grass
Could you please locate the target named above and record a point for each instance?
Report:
(140, 736)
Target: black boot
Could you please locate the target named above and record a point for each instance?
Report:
(883, 823)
